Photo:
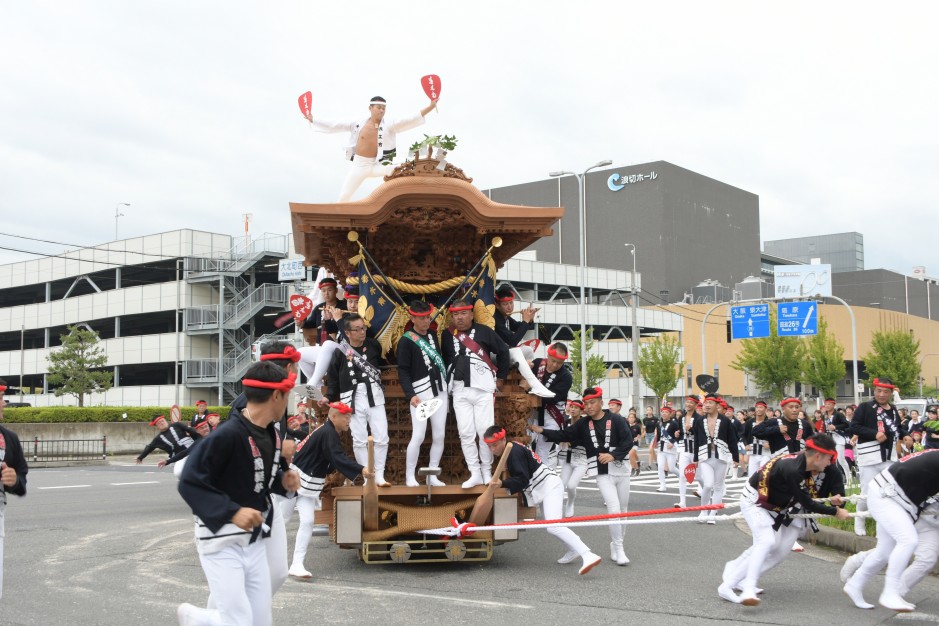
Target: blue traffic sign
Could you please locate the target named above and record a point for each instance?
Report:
(749, 321)
(795, 319)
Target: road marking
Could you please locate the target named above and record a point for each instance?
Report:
(140, 482)
(456, 600)
(918, 617)
(66, 487)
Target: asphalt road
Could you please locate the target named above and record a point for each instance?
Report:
(112, 545)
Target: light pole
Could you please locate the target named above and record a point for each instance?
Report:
(581, 241)
(117, 214)
(634, 333)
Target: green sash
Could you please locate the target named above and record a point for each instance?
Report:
(427, 349)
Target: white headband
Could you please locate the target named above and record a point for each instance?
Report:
(376, 102)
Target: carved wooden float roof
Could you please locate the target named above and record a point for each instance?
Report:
(422, 224)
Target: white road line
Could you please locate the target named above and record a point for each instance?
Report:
(66, 487)
(449, 599)
(141, 482)
(918, 617)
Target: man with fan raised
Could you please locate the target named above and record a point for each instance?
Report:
(423, 377)
(557, 378)
(372, 142)
(473, 378)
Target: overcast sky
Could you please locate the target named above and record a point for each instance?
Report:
(188, 111)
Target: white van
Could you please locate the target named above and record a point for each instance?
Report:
(913, 404)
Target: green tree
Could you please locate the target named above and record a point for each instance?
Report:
(660, 364)
(72, 367)
(773, 363)
(895, 355)
(596, 366)
(823, 362)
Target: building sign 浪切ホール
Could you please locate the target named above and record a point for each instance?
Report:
(617, 182)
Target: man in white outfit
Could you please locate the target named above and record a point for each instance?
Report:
(372, 142)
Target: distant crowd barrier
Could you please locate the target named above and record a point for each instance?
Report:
(67, 449)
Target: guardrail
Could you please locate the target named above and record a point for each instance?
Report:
(69, 449)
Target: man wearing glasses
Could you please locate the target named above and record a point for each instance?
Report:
(354, 379)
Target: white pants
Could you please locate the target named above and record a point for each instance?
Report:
(365, 418)
(668, 460)
(571, 475)
(474, 414)
(306, 507)
(361, 169)
(924, 557)
(769, 547)
(178, 467)
(684, 460)
(711, 474)
(615, 492)
(314, 361)
(240, 586)
(756, 462)
(866, 474)
(551, 509)
(276, 548)
(546, 450)
(438, 423)
(286, 506)
(896, 541)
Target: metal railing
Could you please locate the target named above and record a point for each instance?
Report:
(69, 449)
(242, 255)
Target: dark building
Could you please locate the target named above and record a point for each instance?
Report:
(687, 228)
(843, 251)
(889, 291)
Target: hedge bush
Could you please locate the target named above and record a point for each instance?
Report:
(60, 414)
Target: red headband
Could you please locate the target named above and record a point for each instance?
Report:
(790, 401)
(693, 398)
(462, 307)
(289, 354)
(576, 403)
(508, 298)
(345, 409)
(597, 393)
(555, 354)
(157, 419)
(202, 403)
(877, 383)
(760, 403)
(326, 282)
(666, 408)
(3, 388)
(832, 453)
(495, 436)
(285, 385)
(422, 314)
(207, 415)
(830, 401)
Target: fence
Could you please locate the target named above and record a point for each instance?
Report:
(69, 449)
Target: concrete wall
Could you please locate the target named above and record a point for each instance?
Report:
(122, 438)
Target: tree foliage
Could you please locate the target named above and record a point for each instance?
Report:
(773, 363)
(823, 363)
(660, 364)
(596, 366)
(895, 355)
(72, 366)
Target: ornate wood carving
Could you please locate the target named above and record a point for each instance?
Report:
(427, 167)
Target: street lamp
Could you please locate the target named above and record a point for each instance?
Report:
(634, 333)
(117, 214)
(581, 241)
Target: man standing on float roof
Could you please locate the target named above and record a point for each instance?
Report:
(372, 142)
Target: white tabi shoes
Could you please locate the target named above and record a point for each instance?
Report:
(475, 480)
(487, 475)
(857, 596)
(890, 598)
(591, 560)
(618, 555)
(569, 557)
(298, 571)
(433, 481)
(726, 593)
(187, 614)
(851, 565)
(380, 480)
(541, 391)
